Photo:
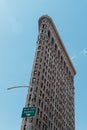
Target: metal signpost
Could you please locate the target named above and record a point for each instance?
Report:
(28, 112)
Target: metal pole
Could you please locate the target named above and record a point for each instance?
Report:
(17, 87)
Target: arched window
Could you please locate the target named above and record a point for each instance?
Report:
(58, 53)
(64, 64)
(49, 33)
(69, 74)
(61, 59)
(67, 69)
(52, 40)
(43, 25)
(55, 47)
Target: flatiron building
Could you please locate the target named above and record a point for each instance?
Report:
(51, 87)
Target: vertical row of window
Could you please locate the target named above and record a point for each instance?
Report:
(49, 126)
(38, 62)
(41, 125)
(59, 56)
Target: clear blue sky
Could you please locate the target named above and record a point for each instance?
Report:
(18, 36)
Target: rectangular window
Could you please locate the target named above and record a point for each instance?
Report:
(36, 66)
(36, 121)
(39, 47)
(38, 53)
(33, 80)
(35, 72)
(24, 127)
(37, 59)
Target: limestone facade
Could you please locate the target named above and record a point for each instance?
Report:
(52, 82)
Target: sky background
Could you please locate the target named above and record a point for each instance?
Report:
(18, 36)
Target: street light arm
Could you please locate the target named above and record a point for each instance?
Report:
(17, 87)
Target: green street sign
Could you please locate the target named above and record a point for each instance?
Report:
(28, 112)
